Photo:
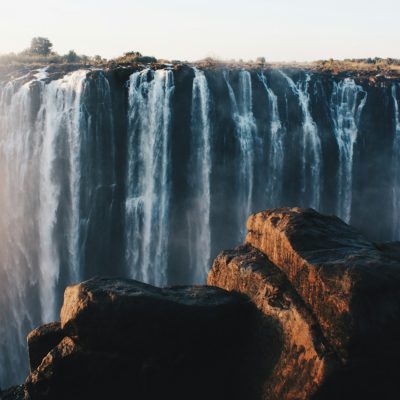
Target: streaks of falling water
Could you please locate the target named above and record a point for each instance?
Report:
(60, 113)
(310, 145)
(18, 166)
(246, 130)
(31, 187)
(147, 185)
(347, 103)
(275, 153)
(199, 176)
(58, 160)
(396, 164)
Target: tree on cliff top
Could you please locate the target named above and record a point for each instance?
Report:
(40, 46)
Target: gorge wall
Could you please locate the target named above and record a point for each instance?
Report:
(148, 174)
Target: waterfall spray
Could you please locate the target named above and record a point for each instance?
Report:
(246, 129)
(199, 176)
(396, 164)
(310, 144)
(147, 185)
(275, 153)
(347, 103)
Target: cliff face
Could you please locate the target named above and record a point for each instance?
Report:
(307, 308)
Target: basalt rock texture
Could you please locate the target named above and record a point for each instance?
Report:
(335, 295)
(125, 339)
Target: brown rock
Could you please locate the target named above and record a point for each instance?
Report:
(305, 359)
(41, 340)
(127, 339)
(350, 285)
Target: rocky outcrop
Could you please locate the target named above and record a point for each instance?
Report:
(306, 358)
(351, 286)
(124, 338)
(307, 308)
(41, 341)
(340, 319)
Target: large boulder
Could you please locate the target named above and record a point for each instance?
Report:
(303, 358)
(127, 339)
(351, 286)
(335, 295)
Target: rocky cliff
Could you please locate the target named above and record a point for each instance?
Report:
(307, 308)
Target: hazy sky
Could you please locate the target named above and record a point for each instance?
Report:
(187, 30)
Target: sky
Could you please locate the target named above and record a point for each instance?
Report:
(279, 30)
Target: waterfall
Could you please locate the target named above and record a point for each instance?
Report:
(275, 153)
(30, 147)
(147, 184)
(245, 129)
(59, 114)
(347, 103)
(18, 166)
(151, 173)
(311, 152)
(199, 176)
(396, 165)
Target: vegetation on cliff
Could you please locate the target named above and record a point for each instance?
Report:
(41, 52)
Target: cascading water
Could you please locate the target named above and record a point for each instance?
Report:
(276, 151)
(347, 103)
(396, 164)
(147, 185)
(18, 237)
(199, 176)
(310, 144)
(30, 146)
(246, 129)
(60, 114)
(151, 173)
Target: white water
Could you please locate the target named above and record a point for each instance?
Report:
(18, 168)
(60, 114)
(310, 144)
(246, 131)
(29, 147)
(347, 103)
(200, 164)
(147, 185)
(275, 152)
(396, 164)
(64, 177)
